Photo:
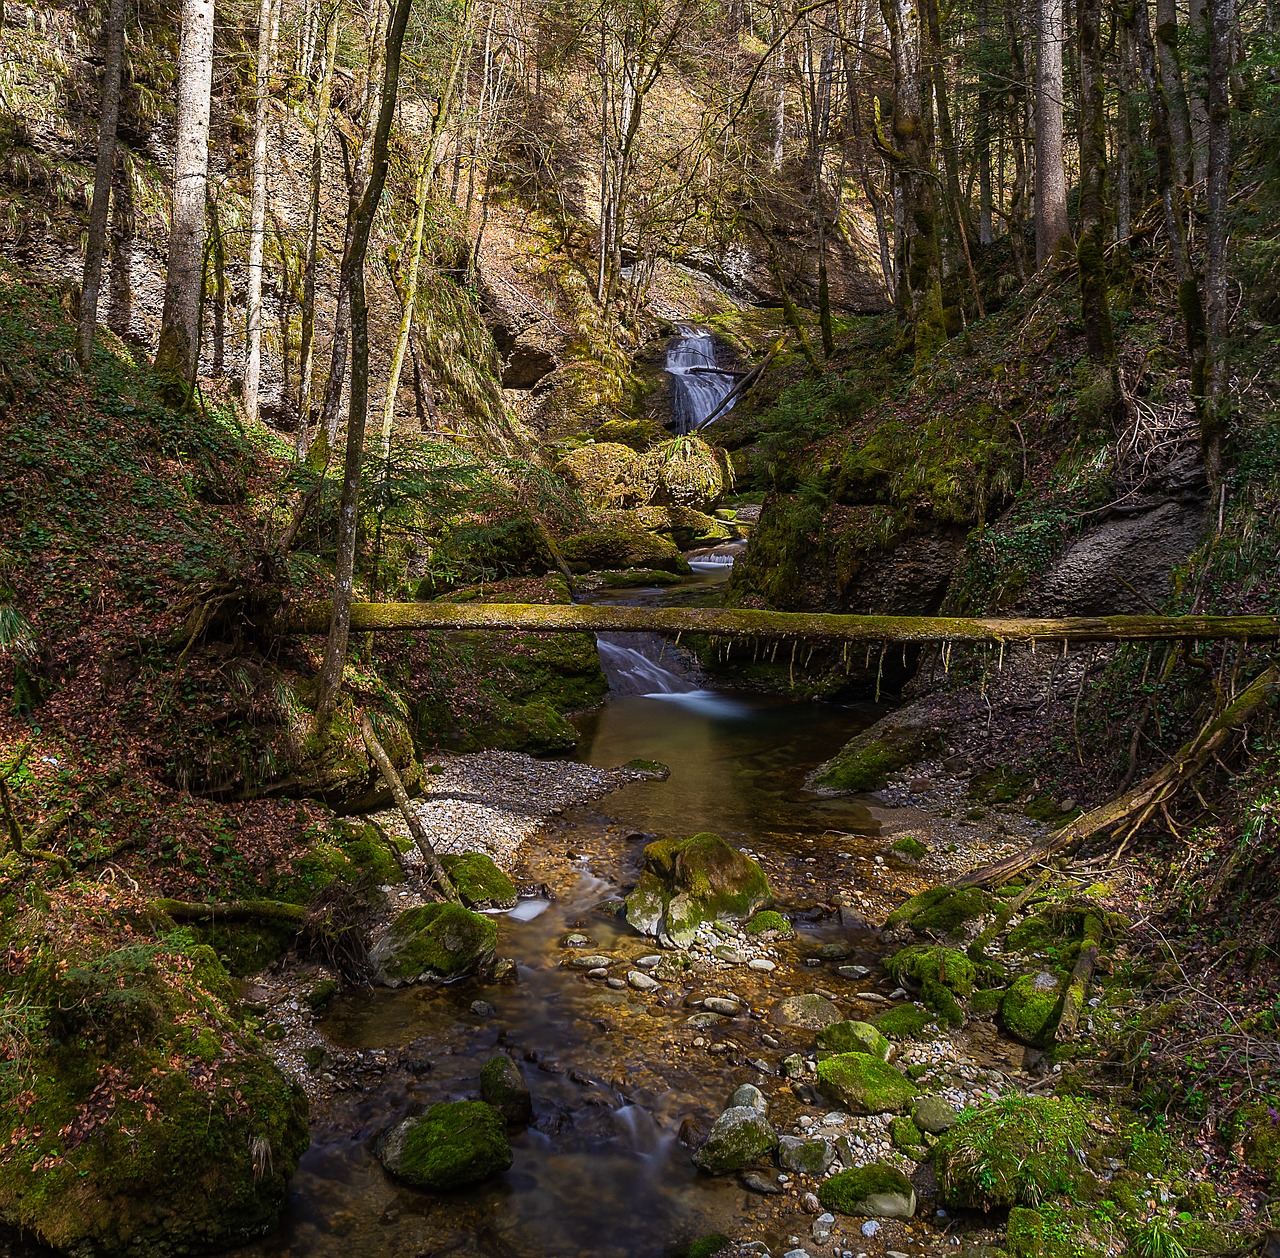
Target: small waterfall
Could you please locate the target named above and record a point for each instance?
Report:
(698, 386)
(637, 664)
(641, 1134)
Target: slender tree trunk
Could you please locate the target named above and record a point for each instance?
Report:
(306, 353)
(179, 322)
(1169, 62)
(1052, 227)
(1020, 99)
(1197, 96)
(1213, 425)
(96, 247)
(982, 129)
(257, 216)
(335, 655)
(1091, 250)
(221, 295)
(1126, 130)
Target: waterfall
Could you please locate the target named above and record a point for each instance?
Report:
(637, 664)
(698, 386)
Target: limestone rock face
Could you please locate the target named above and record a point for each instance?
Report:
(453, 1144)
(433, 943)
(686, 882)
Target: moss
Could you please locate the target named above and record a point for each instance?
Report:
(905, 1022)
(636, 434)
(612, 548)
(503, 1086)
(941, 910)
(321, 995)
(910, 847)
(435, 941)
(639, 577)
(369, 852)
(1024, 1233)
(863, 1084)
(771, 922)
(864, 764)
(861, 1189)
(853, 1037)
(999, 785)
(707, 1246)
(985, 1002)
(247, 948)
(940, 973)
(452, 1145)
(904, 1134)
(480, 883)
(741, 1136)
(1030, 1009)
(1258, 1128)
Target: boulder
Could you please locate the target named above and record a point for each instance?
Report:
(740, 1136)
(749, 1095)
(609, 475)
(933, 1114)
(503, 1086)
(639, 435)
(1031, 1007)
(433, 942)
(853, 1037)
(770, 925)
(686, 473)
(863, 1084)
(805, 1157)
(453, 1144)
(686, 882)
(811, 1012)
(878, 1190)
(614, 548)
(480, 883)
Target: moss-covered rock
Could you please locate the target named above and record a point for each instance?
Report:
(853, 1037)
(1024, 1233)
(434, 942)
(805, 1157)
(878, 1190)
(638, 577)
(452, 1145)
(941, 974)
(863, 1084)
(639, 435)
(608, 475)
(686, 882)
(905, 1135)
(1031, 1008)
(941, 910)
(905, 1022)
(687, 473)
(770, 924)
(480, 883)
(695, 528)
(1258, 1128)
(934, 1114)
(865, 762)
(503, 1086)
(706, 1246)
(619, 548)
(741, 1136)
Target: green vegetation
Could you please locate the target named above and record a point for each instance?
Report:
(865, 763)
(437, 942)
(853, 1037)
(770, 922)
(905, 1022)
(1030, 1009)
(910, 847)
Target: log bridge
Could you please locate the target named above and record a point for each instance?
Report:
(795, 626)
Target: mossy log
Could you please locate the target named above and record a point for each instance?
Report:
(1078, 987)
(807, 626)
(1135, 806)
(232, 911)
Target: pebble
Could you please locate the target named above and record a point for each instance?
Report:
(647, 963)
(756, 1182)
(810, 1204)
(616, 983)
(577, 941)
(593, 962)
(718, 1004)
(852, 971)
(762, 964)
(598, 972)
(870, 1227)
(769, 1042)
(641, 981)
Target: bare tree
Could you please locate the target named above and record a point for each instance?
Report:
(1221, 31)
(1052, 227)
(1091, 249)
(184, 274)
(257, 214)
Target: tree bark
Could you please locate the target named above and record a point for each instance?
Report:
(96, 247)
(257, 215)
(1052, 227)
(180, 320)
(1091, 249)
(358, 413)
(1169, 61)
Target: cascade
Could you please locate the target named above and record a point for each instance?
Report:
(698, 386)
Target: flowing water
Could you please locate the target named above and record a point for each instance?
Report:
(601, 1172)
(698, 385)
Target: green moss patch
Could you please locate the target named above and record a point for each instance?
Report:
(480, 883)
(906, 1022)
(503, 1086)
(853, 1037)
(863, 1084)
(941, 974)
(1258, 1128)
(910, 847)
(638, 577)
(941, 910)
(437, 942)
(452, 1145)
(1031, 1007)
(869, 1190)
(770, 923)
(864, 764)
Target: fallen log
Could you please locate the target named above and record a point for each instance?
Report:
(1138, 804)
(273, 911)
(797, 626)
(1078, 986)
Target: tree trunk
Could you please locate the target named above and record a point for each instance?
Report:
(1217, 400)
(1021, 166)
(1091, 250)
(982, 130)
(184, 273)
(306, 360)
(1051, 177)
(1167, 57)
(257, 216)
(358, 413)
(96, 247)
(1197, 96)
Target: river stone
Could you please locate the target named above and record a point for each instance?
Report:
(863, 1084)
(853, 1037)
(593, 962)
(749, 1095)
(933, 1114)
(480, 883)
(740, 1136)
(756, 1182)
(641, 981)
(762, 964)
(686, 882)
(811, 1012)
(718, 1004)
(805, 1157)
(503, 1086)
(451, 1145)
(438, 942)
(577, 941)
(878, 1190)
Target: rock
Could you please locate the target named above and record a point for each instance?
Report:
(770, 925)
(906, 1136)
(616, 983)
(797, 1253)
(718, 1004)
(482, 1009)
(836, 951)
(451, 1145)
(641, 981)
(761, 964)
(613, 547)
(852, 971)
(793, 1066)
(756, 1182)
(609, 475)
(596, 961)
(740, 1136)
(854, 1037)
(863, 1084)
(878, 1190)
(933, 1114)
(577, 941)
(436, 942)
(505, 971)
(810, 1204)
(805, 1157)
(812, 1012)
(480, 883)
(598, 972)
(892, 743)
(686, 882)
(650, 962)
(749, 1095)
(727, 952)
(1031, 1008)
(503, 1086)
(687, 474)
(870, 1227)
(702, 1020)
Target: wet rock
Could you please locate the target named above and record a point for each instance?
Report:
(1031, 1008)
(451, 1145)
(596, 961)
(878, 1190)
(702, 1020)
(727, 952)
(805, 1157)
(617, 984)
(750, 1096)
(480, 883)
(852, 971)
(577, 941)
(822, 1225)
(503, 1086)
(755, 1182)
(812, 1012)
(740, 1136)
(505, 971)
(686, 882)
(793, 1066)
(718, 1004)
(482, 1009)
(836, 951)
(810, 1204)
(649, 962)
(854, 1037)
(863, 1084)
(690, 1134)
(598, 972)
(641, 981)
(437, 942)
(761, 964)
(933, 1114)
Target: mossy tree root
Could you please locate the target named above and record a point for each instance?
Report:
(1133, 808)
(232, 911)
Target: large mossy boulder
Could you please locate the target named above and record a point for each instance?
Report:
(941, 911)
(687, 473)
(609, 475)
(480, 883)
(434, 943)
(452, 1145)
(877, 1191)
(639, 435)
(865, 762)
(853, 1037)
(614, 548)
(685, 882)
(1030, 1009)
(939, 974)
(741, 1136)
(861, 1083)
